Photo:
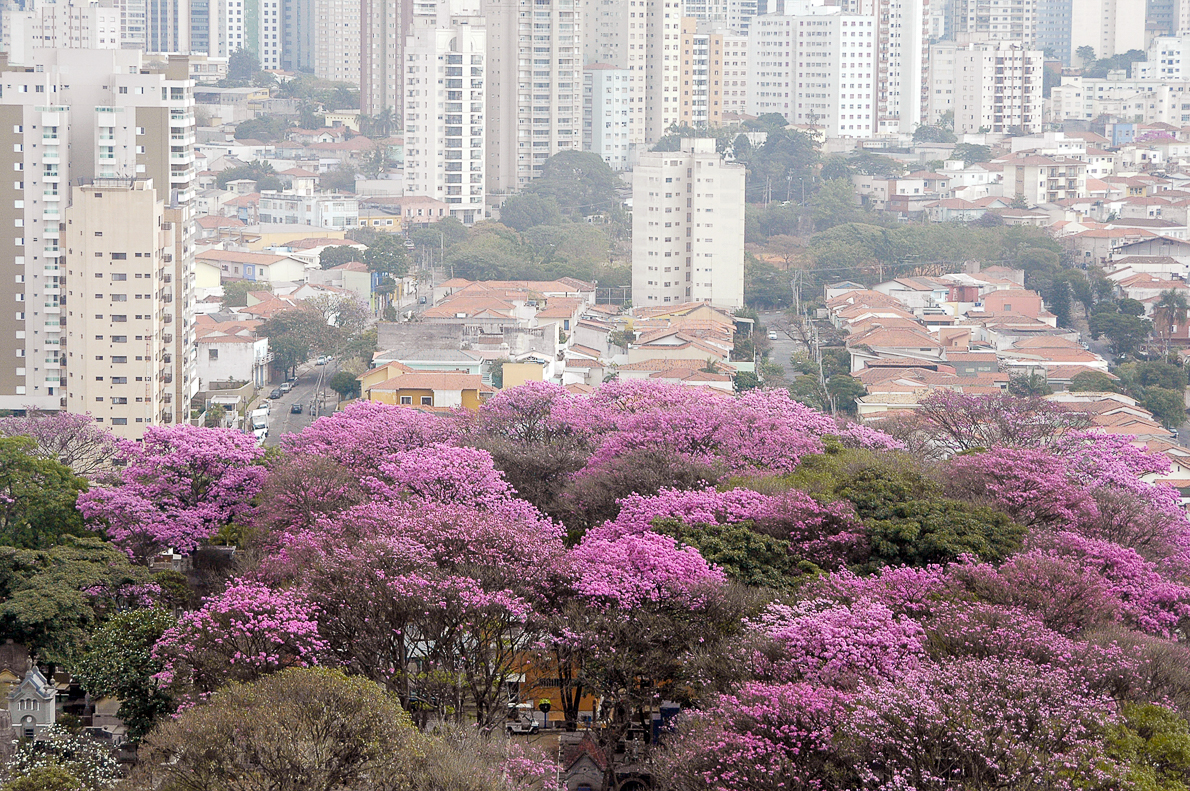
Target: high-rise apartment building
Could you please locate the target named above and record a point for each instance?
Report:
(992, 20)
(445, 56)
(1053, 29)
(733, 16)
(70, 115)
(59, 26)
(816, 66)
(298, 34)
(122, 358)
(696, 47)
(643, 37)
(383, 27)
(735, 74)
(337, 40)
(133, 16)
(1164, 60)
(270, 40)
(167, 26)
(606, 95)
(688, 227)
(1110, 27)
(901, 58)
(993, 87)
(535, 87)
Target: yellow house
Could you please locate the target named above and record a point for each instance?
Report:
(438, 389)
(379, 220)
(517, 374)
(378, 376)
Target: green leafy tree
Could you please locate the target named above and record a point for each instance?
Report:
(120, 664)
(331, 257)
(1151, 373)
(44, 599)
(266, 129)
(1085, 53)
(242, 66)
(387, 254)
(747, 556)
(765, 286)
(745, 380)
(844, 390)
(215, 416)
(261, 172)
(341, 179)
(579, 182)
(51, 777)
(1131, 307)
(1028, 386)
(1169, 312)
(1092, 382)
(522, 212)
(933, 134)
(869, 164)
(37, 497)
(971, 153)
(1168, 406)
(835, 204)
(778, 168)
(1153, 742)
(1124, 332)
(345, 384)
(443, 234)
(235, 292)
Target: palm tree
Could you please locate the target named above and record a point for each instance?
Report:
(1169, 312)
(384, 121)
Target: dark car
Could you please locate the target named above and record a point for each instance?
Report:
(296, 409)
(276, 393)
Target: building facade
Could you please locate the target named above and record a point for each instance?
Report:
(992, 20)
(337, 40)
(445, 137)
(384, 25)
(137, 125)
(535, 87)
(993, 87)
(59, 26)
(606, 114)
(816, 67)
(688, 227)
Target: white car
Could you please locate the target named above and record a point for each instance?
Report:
(523, 724)
(772, 335)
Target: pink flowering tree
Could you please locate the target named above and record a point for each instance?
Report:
(245, 632)
(365, 433)
(71, 439)
(837, 645)
(978, 724)
(762, 737)
(177, 488)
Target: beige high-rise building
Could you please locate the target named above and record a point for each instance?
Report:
(644, 37)
(120, 365)
(1110, 27)
(688, 227)
(535, 87)
(902, 58)
(67, 116)
(337, 40)
(384, 25)
(59, 25)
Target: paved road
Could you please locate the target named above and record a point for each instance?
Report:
(281, 420)
(786, 345)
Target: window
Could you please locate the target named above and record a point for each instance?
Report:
(119, 400)
(119, 276)
(116, 317)
(119, 380)
(427, 400)
(212, 354)
(407, 400)
(99, 233)
(119, 359)
(119, 421)
(119, 339)
(119, 256)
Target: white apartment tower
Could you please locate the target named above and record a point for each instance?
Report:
(643, 37)
(68, 116)
(133, 20)
(994, 87)
(60, 26)
(337, 40)
(1110, 27)
(816, 66)
(734, 15)
(688, 227)
(445, 56)
(606, 114)
(735, 74)
(535, 87)
(993, 20)
(902, 57)
(271, 42)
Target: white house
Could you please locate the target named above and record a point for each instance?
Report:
(231, 351)
(31, 704)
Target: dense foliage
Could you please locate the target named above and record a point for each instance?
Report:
(989, 596)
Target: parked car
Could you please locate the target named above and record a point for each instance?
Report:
(276, 393)
(421, 301)
(296, 409)
(321, 360)
(523, 724)
(286, 387)
(772, 335)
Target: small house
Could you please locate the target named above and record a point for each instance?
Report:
(32, 704)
